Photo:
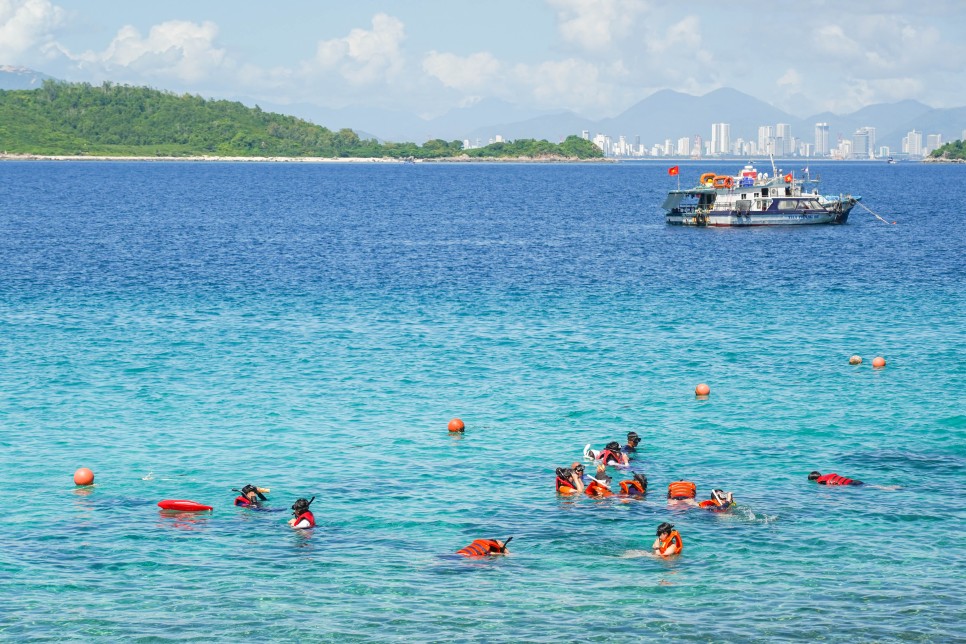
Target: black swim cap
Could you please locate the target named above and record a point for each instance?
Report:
(664, 528)
(633, 437)
(814, 475)
(613, 446)
(640, 478)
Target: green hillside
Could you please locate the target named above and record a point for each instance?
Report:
(953, 150)
(119, 120)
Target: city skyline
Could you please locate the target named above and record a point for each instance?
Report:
(595, 58)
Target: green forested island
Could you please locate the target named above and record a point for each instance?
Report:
(952, 150)
(119, 120)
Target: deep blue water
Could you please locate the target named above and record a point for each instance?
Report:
(186, 328)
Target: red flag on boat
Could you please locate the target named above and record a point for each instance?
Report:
(788, 177)
(672, 170)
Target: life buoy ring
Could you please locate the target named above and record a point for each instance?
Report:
(706, 177)
(723, 181)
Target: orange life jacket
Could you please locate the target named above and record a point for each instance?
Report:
(480, 548)
(681, 490)
(673, 538)
(565, 487)
(632, 487)
(596, 489)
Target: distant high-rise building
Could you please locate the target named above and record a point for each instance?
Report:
(766, 140)
(863, 143)
(499, 138)
(805, 149)
(821, 140)
(684, 146)
(585, 135)
(884, 152)
(912, 144)
(720, 138)
(698, 146)
(783, 139)
(933, 141)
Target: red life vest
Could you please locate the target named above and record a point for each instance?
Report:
(565, 487)
(606, 457)
(633, 488)
(307, 515)
(834, 479)
(243, 501)
(596, 489)
(672, 538)
(480, 548)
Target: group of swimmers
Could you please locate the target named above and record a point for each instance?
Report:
(252, 496)
(574, 480)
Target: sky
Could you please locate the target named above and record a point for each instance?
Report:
(593, 57)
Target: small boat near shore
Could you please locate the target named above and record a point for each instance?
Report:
(755, 199)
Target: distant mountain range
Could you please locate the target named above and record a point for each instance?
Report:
(663, 115)
(20, 78)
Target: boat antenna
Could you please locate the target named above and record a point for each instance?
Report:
(774, 171)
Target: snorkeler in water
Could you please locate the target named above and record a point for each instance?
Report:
(831, 479)
(303, 517)
(250, 496)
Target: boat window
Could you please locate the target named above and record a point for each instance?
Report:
(764, 192)
(788, 204)
(814, 205)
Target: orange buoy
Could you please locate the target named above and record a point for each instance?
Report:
(878, 362)
(702, 390)
(83, 476)
(456, 425)
(855, 360)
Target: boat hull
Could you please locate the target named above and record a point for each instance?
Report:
(733, 219)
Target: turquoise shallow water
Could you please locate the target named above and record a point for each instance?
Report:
(183, 329)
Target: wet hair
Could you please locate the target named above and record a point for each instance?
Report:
(302, 505)
(640, 478)
(813, 476)
(613, 446)
(564, 472)
(632, 437)
(664, 528)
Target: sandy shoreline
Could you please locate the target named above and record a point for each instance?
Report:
(4, 156)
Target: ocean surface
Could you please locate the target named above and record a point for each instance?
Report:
(183, 329)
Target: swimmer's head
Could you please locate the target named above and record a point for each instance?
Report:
(664, 528)
(633, 439)
(613, 446)
(301, 506)
(640, 478)
(813, 476)
(578, 469)
(564, 472)
(250, 492)
(719, 497)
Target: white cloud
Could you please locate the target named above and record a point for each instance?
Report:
(179, 50)
(791, 80)
(365, 56)
(596, 25)
(465, 73)
(24, 25)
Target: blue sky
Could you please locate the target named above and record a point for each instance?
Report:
(594, 57)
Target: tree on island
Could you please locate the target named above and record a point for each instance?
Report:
(120, 120)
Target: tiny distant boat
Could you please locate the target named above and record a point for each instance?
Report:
(183, 505)
(890, 160)
(755, 199)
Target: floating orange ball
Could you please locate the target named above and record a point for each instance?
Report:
(702, 390)
(83, 476)
(456, 425)
(855, 360)
(878, 362)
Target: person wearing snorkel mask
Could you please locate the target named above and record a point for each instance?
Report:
(719, 501)
(302, 516)
(633, 440)
(251, 496)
